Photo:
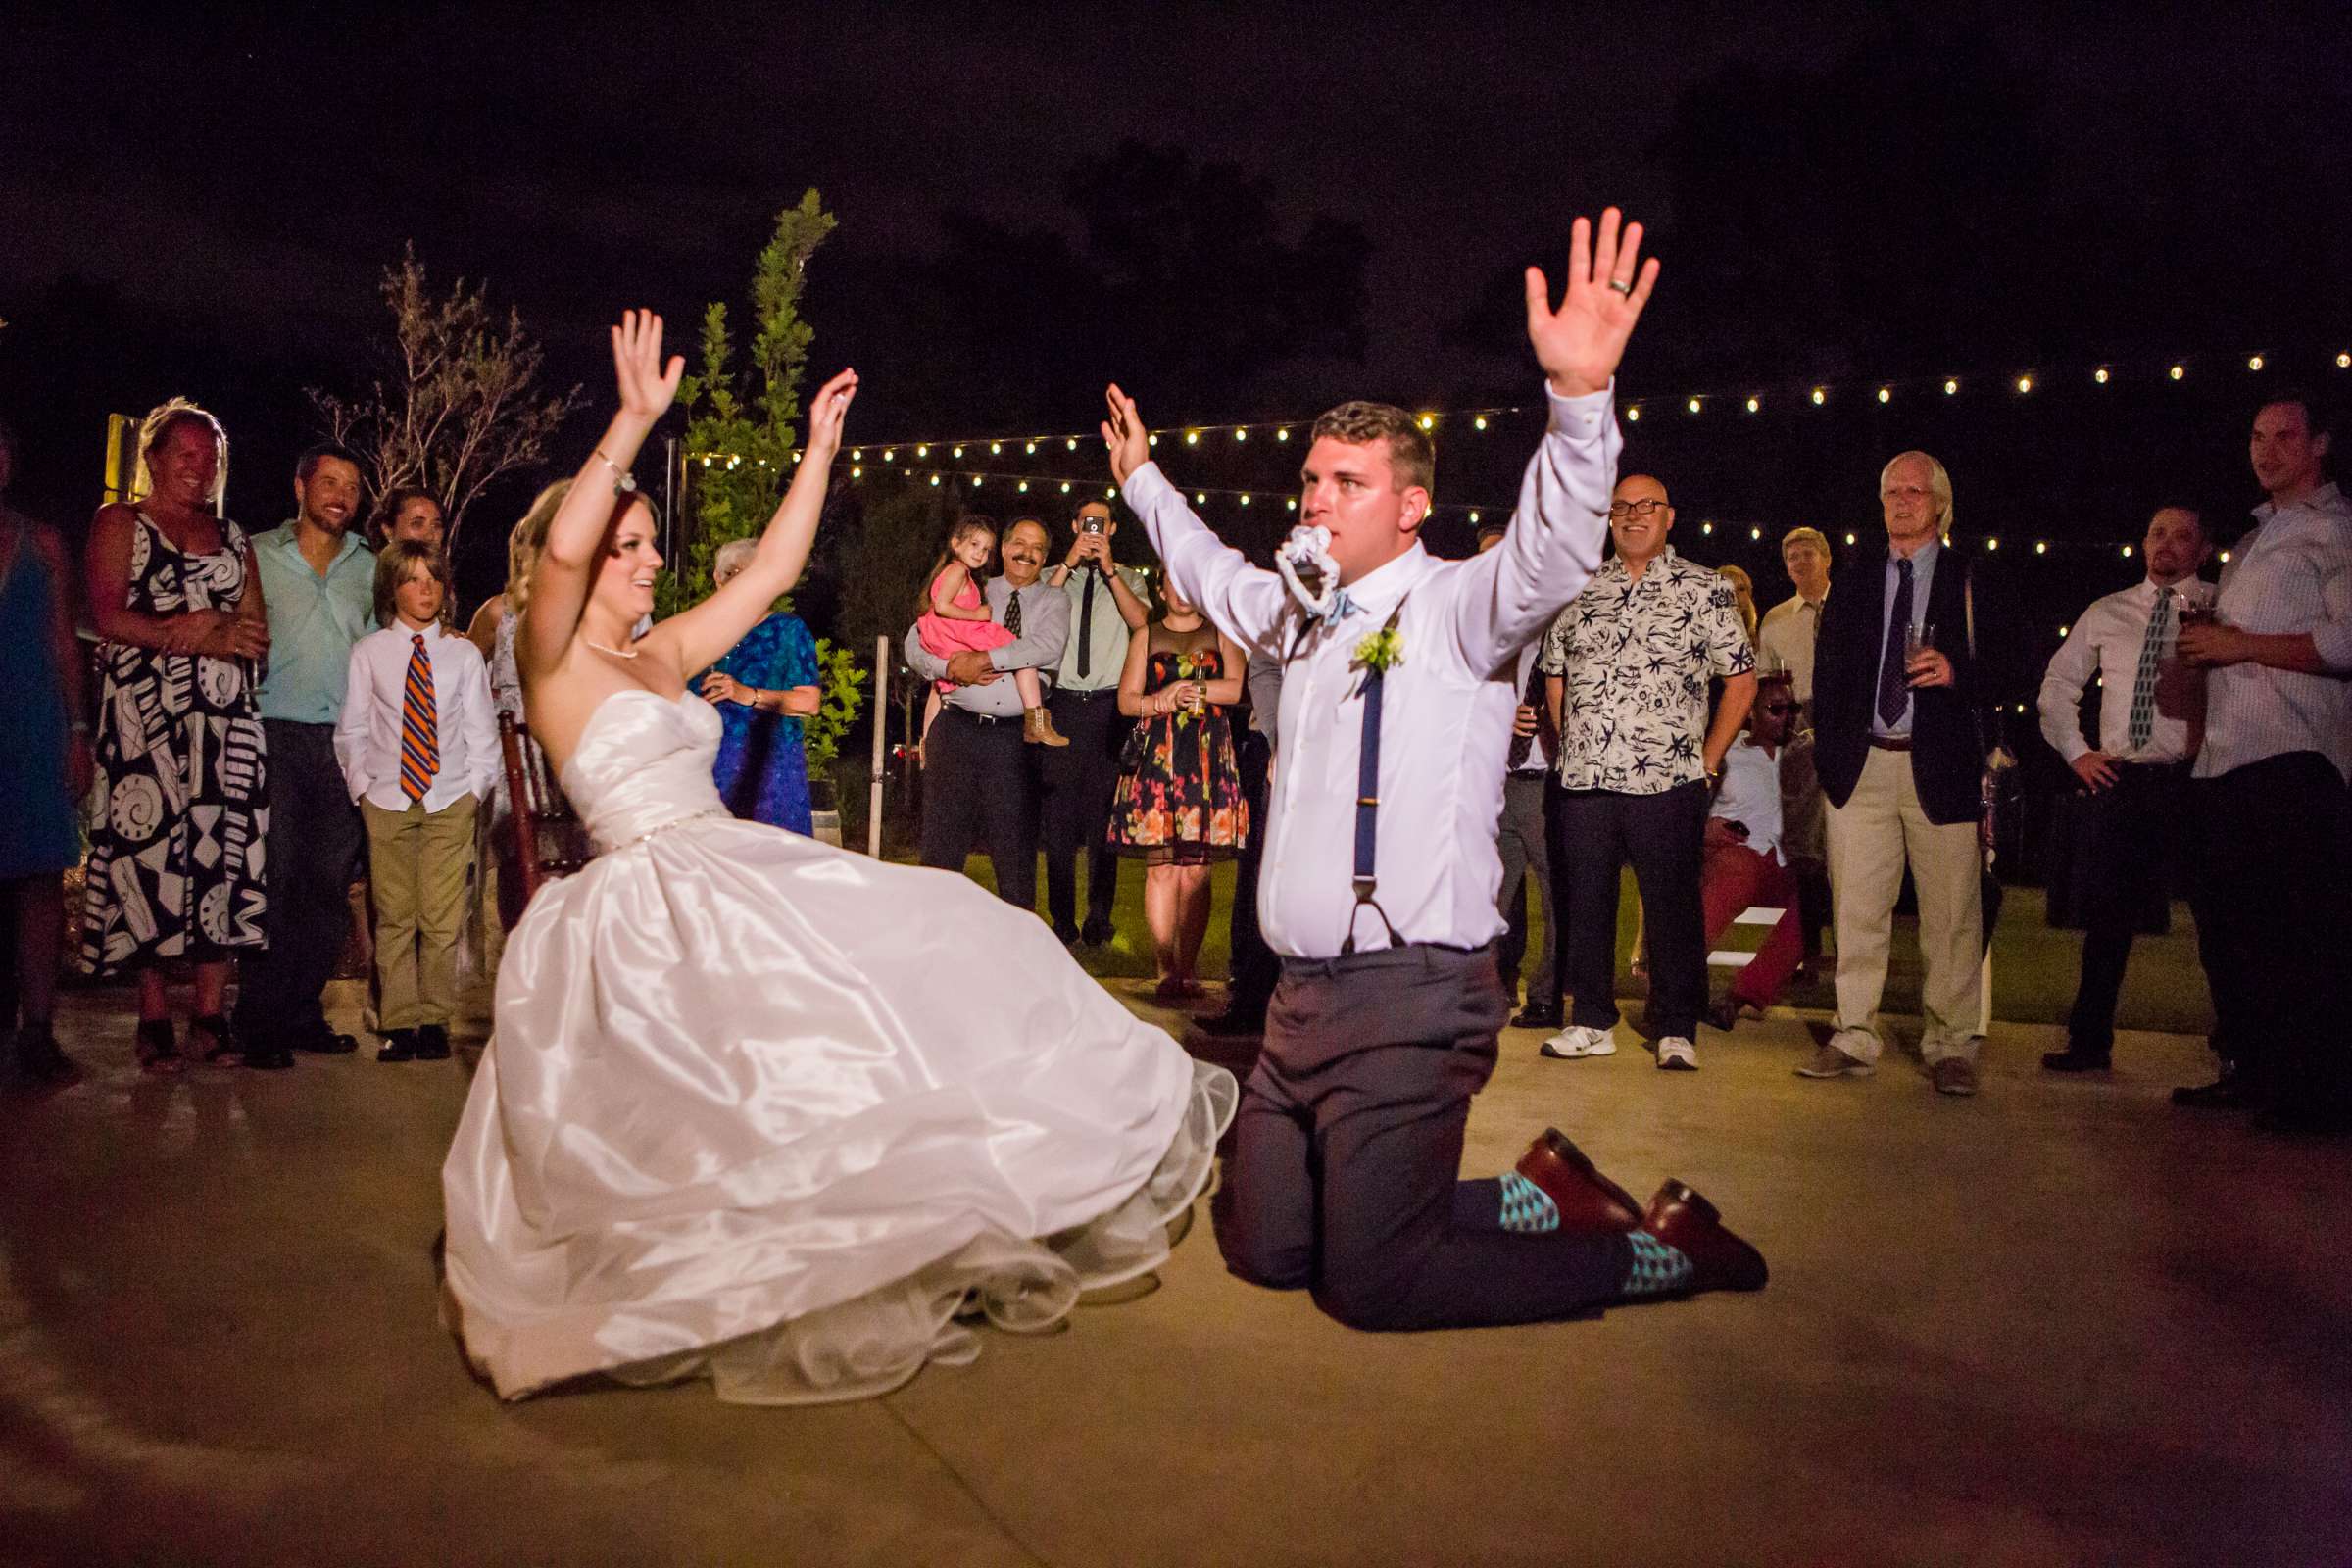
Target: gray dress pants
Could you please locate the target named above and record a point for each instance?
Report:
(1349, 1148)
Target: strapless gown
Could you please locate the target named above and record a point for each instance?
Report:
(761, 1109)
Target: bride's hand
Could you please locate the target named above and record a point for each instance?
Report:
(646, 389)
(827, 415)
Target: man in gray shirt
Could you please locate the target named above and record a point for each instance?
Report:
(977, 782)
(1106, 606)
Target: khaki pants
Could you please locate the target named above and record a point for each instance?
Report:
(1872, 836)
(417, 862)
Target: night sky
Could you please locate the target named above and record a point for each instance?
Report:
(203, 207)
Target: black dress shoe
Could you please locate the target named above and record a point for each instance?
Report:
(325, 1042)
(2231, 1090)
(1235, 1024)
(1065, 934)
(1097, 934)
(1538, 1015)
(432, 1043)
(399, 1045)
(2075, 1060)
(269, 1056)
(40, 1059)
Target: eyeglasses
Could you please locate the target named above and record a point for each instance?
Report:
(1644, 509)
(1781, 707)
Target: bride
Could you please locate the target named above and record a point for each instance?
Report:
(756, 1109)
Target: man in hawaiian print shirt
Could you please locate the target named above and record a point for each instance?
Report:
(1627, 666)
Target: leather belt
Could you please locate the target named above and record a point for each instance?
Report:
(1088, 695)
(970, 718)
(1891, 743)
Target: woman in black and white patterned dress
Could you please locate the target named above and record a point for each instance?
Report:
(176, 871)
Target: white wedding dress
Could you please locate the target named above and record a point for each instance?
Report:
(790, 1117)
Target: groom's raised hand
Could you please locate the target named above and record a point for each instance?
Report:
(1124, 433)
(1580, 344)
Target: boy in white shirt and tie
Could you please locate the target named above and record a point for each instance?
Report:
(416, 746)
(1380, 875)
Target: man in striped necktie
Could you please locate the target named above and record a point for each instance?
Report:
(2116, 858)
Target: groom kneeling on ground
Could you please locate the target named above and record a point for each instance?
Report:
(1349, 1137)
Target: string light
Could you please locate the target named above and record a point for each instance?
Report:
(935, 478)
(2254, 362)
(1480, 422)
(1199, 499)
(856, 473)
(1633, 412)
(1849, 538)
(1282, 435)
(1821, 395)
(1427, 420)
(1244, 498)
(1022, 487)
(923, 452)
(1755, 533)
(1073, 443)
(2126, 552)
(2224, 557)
(996, 447)
(889, 455)
(2179, 371)
(1192, 438)
(1065, 487)
(1292, 504)
(2065, 631)
(1474, 517)
(1991, 543)
(856, 456)
(2343, 362)
(2099, 376)
(1707, 527)
(1753, 404)
(1951, 386)
(2042, 547)
(1155, 438)
(2025, 383)
(1239, 433)
(1694, 405)
(1885, 394)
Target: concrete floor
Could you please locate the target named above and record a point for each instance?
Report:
(2058, 1323)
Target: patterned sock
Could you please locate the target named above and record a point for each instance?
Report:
(1527, 1207)
(1654, 1269)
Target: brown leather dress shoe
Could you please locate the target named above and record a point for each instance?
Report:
(1690, 1224)
(1588, 1201)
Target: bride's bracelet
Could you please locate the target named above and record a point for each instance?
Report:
(623, 481)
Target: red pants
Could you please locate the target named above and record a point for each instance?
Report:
(1735, 878)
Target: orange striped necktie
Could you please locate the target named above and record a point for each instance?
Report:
(419, 726)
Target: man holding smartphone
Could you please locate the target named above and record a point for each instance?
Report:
(1106, 606)
(1895, 689)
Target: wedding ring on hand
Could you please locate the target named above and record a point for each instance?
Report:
(1623, 285)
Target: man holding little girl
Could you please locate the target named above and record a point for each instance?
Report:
(977, 784)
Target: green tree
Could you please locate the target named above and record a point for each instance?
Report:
(740, 443)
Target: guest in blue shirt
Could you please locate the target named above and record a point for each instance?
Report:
(763, 688)
(319, 583)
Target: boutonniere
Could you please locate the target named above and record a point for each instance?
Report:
(1383, 650)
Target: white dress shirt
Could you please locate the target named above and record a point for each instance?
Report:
(367, 735)
(1785, 638)
(1045, 634)
(2292, 573)
(1750, 795)
(1446, 714)
(2106, 640)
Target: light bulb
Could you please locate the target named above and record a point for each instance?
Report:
(1821, 395)
(1993, 544)
(957, 453)
(856, 473)
(1480, 422)
(2179, 371)
(1755, 533)
(1282, 435)
(889, 455)
(2099, 376)
(2126, 552)
(1427, 420)
(1951, 386)
(1885, 394)
(923, 452)
(1244, 498)
(1707, 527)
(1632, 411)
(1752, 406)
(1192, 438)
(1849, 538)
(2254, 362)
(1239, 434)
(1065, 487)
(1474, 517)
(1694, 405)
(2025, 383)
(2042, 547)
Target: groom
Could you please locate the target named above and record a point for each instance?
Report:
(1380, 873)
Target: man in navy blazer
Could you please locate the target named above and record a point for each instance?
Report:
(1897, 693)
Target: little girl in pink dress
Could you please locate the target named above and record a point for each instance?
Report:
(954, 619)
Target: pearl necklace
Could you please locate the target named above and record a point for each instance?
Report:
(617, 653)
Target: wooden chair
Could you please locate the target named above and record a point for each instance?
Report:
(549, 841)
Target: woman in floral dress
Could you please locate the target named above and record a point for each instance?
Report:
(1179, 804)
(176, 869)
(763, 689)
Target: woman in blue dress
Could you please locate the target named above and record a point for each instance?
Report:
(763, 688)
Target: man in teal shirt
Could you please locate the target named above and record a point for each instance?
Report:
(318, 584)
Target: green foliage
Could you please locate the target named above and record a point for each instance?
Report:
(880, 564)
(844, 685)
(739, 431)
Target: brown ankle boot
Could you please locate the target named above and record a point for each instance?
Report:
(1037, 728)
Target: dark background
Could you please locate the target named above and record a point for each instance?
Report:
(1240, 216)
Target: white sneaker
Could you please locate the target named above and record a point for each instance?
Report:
(1675, 1054)
(1577, 1041)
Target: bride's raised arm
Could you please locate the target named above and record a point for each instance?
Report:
(567, 568)
(699, 637)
